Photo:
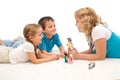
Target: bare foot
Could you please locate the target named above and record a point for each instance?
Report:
(17, 38)
(0, 41)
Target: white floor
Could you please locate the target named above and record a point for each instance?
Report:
(108, 69)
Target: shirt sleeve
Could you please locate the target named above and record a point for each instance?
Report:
(57, 40)
(98, 32)
(28, 47)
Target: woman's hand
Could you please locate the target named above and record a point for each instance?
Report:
(74, 52)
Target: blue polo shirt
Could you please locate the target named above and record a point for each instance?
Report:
(48, 44)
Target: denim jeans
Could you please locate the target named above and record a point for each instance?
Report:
(13, 44)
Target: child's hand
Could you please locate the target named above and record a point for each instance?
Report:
(55, 57)
(65, 53)
(61, 55)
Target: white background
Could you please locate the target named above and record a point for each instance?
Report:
(15, 14)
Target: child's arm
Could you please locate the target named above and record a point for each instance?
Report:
(34, 60)
(47, 53)
(42, 55)
(62, 51)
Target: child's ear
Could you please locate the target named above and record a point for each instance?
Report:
(31, 38)
(43, 31)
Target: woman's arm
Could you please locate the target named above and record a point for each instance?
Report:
(89, 51)
(100, 46)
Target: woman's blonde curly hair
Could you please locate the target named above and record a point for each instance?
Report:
(89, 19)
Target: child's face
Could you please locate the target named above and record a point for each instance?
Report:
(38, 37)
(50, 28)
(79, 24)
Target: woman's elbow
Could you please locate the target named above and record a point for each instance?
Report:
(101, 58)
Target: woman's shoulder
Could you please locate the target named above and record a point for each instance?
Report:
(100, 31)
(100, 27)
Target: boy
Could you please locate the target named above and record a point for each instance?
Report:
(50, 37)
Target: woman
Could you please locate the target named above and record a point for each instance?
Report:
(102, 41)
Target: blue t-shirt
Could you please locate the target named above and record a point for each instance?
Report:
(48, 44)
(112, 46)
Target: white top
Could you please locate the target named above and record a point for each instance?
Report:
(19, 54)
(100, 32)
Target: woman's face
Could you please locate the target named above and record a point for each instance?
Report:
(79, 24)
